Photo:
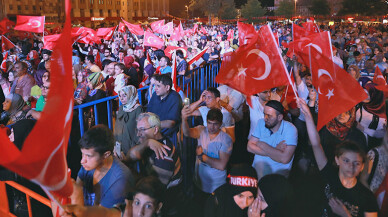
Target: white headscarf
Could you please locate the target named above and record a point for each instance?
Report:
(131, 92)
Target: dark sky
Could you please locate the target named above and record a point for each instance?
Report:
(178, 6)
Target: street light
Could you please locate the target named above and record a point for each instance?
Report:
(187, 11)
(295, 7)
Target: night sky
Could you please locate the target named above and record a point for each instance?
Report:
(178, 6)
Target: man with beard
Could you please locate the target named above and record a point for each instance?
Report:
(273, 142)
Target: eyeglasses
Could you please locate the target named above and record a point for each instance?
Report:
(45, 87)
(143, 129)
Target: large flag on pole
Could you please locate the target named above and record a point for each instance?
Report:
(42, 158)
(134, 29)
(5, 25)
(30, 23)
(254, 67)
(152, 40)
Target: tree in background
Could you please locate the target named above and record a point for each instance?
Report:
(209, 7)
(252, 9)
(320, 7)
(228, 10)
(286, 8)
(363, 7)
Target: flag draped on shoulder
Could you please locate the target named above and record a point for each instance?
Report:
(30, 23)
(42, 158)
(254, 67)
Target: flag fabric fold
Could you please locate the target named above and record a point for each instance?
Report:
(105, 33)
(157, 25)
(42, 158)
(6, 44)
(134, 29)
(5, 25)
(152, 40)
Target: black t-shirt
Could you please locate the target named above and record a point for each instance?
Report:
(357, 200)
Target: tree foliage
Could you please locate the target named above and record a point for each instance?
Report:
(320, 7)
(228, 10)
(209, 7)
(252, 9)
(286, 8)
(363, 7)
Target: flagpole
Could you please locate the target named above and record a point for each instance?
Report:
(284, 65)
(44, 22)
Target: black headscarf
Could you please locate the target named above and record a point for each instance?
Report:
(278, 194)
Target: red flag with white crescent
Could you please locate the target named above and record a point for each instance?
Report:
(134, 29)
(152, 40)
(6, 44)
(121, 27)
(5, 25)
(3, 65)
(246, 33)
(42, 158)
(157, 25)
(30, 23)
(378, 78)
(338, 91)
(167, 29)
(171, 49)
(106, 33)
(254, 67)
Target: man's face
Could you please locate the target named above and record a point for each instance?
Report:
(162, 62)
(91, 159)
(161, 89)
(106, 53)
(210, 100)
(46, 57)
(95, 51)
(19, 71)
(144, 206)
(45, 88)
(358, 58)
(111, 69)
(265, 95)
(144, 130)
(213, 126)
(270, 117)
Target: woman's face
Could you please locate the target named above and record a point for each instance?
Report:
(45, 77)
(244, 199)
(11, 77)
(7, 104)
(144, 206)
(31, 54)
(352, 72)
(80, 78)
(343, 118)
(123, 97)
(350, 164)
(90, 85)
(117, 70)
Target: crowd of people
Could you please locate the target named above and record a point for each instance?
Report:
(266, 159)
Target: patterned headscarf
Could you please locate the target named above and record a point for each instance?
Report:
(131, 93)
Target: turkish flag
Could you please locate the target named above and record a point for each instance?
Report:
(89, 36)
(6, 44)
(246, 33)
(290, 95)
(50, 41)
(121, 27)
(378, 78)
(177, 34)
(152, 40)
(42, 158)
(5, 25)
(134, 29)
(275, 34)
(320, 41)
(254, 67)
(310, 26)
(106, 33)
(157, 25)
(195, 28)
(338, 91)
(300, 32)
(30, 23)
(167, 29)
(170, 50)
(3, 65)
(196, 57)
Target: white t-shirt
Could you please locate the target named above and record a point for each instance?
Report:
(256, 113)
(227, 120)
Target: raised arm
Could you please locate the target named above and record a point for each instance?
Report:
(315, 141)
(187, 131)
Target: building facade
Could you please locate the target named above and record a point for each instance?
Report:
(91, 13)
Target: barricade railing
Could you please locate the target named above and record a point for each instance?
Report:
(4, 202)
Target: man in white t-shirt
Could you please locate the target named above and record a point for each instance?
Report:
(211, 97)
(256, 112)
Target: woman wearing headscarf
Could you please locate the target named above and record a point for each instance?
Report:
(97, 91)
(275, 197)
(33, 58)
(81, 90)
(76, 69)
(371, 116)
(233, 198)
(125, 125)
(14, 109)
(40, 76)
(339, 129)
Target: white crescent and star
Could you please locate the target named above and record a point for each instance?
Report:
(37, 24)
(324, 72)
(266, 61)
(319, 49)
